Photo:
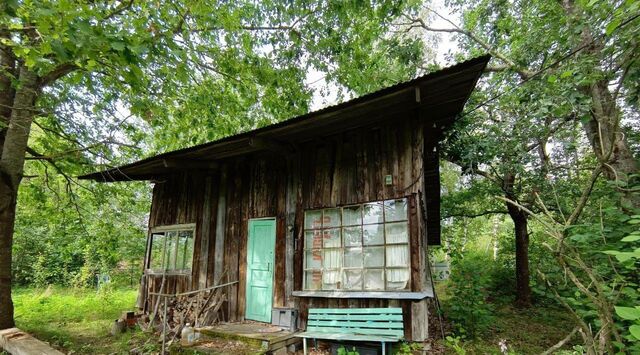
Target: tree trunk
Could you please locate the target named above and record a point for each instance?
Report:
(521, 233)
(11, 169)
(7, 69)
(609, 142)
(523, 289)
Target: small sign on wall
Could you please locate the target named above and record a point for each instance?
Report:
(388, 180)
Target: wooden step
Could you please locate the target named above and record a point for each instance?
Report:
(16, 342)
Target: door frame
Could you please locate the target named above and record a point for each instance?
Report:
(273, 262)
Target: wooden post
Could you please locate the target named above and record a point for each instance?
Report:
(293, 181)
(205, 233)
(164, 327)
(221, 216)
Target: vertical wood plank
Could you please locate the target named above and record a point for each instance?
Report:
(221, 218)
(293, 181)
(205, 234)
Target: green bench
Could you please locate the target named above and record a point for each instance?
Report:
(355, 324)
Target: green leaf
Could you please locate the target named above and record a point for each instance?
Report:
(119, 46)
(635, 331)
(566, 74)
(552, 79)
(628, 313)
(631, 238)
(612, 26)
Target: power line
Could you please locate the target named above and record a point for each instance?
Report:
(545, 68)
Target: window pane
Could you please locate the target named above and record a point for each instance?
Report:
(171, 250)
(374, 257)
(352, 236)
(331, 218)
(185, 250)
(396, 232)
(313, 219)
(395, 210)
(312, 279)
(353, 257)
(157, 250)
(332, 259)
(313, 259)
(372, 213)
(313, 239)
(398, 255)
(397, 279)
(374, 279)
(332, 238)
(330, 279)
(352, 215)
(352, 280)
(373, 234)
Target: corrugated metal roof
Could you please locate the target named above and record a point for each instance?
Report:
(441, 93)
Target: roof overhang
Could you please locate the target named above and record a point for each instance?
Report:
(440, 95)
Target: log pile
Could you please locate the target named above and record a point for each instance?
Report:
(199, 309)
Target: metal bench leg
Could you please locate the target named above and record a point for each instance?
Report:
(384, 348)
(304, 345)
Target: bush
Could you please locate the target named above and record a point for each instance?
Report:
(468, 307)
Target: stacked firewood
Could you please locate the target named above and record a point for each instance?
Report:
(201, 309)
(198, 309)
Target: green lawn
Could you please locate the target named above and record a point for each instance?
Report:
(78, 320)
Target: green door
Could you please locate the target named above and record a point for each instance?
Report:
(260, 257)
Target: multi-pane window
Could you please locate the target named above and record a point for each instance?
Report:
(358, 247)
(172, 249)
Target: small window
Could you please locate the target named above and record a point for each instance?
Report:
(358, 247)
(172, 249)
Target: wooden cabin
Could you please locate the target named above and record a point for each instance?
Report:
(334, 208)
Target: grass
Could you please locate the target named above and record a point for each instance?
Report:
(78, 320)
(525, 331)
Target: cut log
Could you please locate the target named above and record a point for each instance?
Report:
(16, 342)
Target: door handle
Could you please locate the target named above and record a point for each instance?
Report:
(268, 266)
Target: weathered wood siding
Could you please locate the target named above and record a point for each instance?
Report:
(340, 169)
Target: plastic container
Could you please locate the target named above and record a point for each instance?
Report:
(188, 335)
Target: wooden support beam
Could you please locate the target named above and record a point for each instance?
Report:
(189, 164)
(205, 233)
(16, 342)
(271, 145)
(221, 216)
(293, 182)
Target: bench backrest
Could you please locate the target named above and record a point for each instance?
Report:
(365, 321)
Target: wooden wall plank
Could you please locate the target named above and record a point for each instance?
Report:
(220, 228)
(205, 234)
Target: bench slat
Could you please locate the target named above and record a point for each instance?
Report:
(359, 331)
(320, 335)
(355, 324)
(355, 311)
(364, 317)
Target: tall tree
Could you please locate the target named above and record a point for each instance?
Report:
(569, 62)
(71, 67)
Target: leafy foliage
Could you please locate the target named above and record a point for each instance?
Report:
(468, 306)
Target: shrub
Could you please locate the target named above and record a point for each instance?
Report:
(468, 307)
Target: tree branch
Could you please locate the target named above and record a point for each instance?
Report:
(55, 74)
(474, 215)
(418, 22)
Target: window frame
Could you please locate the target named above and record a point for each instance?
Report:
(383, 223)
(187, 227)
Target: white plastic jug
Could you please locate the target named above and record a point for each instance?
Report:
(187, 336)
